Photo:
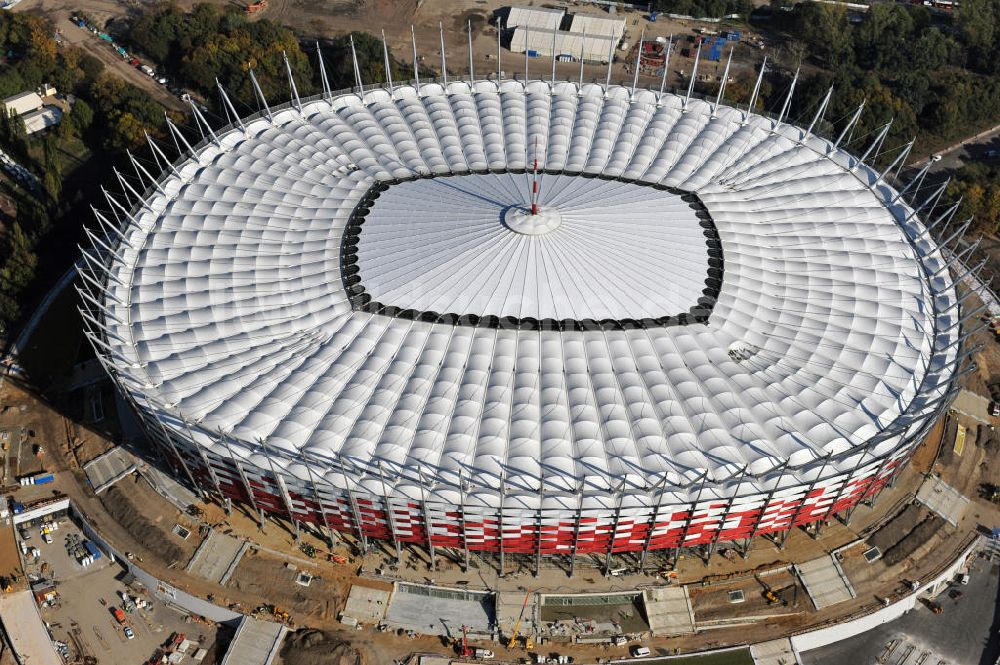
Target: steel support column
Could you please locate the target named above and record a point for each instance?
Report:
(576, 530)
(173, 448)
(729, 509)
(620, 492)
(427, 520)
(798, 509)
(201, 454)
(653, 520)
(465, 527)
(319, 503)
(243, 477)
(763, 509)
(355, 510)
(390, 515)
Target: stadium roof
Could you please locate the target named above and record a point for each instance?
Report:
(241, 299)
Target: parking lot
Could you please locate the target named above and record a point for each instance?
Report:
(965, 633)
(82, 614)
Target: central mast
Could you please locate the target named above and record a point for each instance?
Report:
(534, 181)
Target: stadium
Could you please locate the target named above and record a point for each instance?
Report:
(540, 318)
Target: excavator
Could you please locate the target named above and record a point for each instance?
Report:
(775, 596)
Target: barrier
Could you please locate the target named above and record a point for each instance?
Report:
(160, 589)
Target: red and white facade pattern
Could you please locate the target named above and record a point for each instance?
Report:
(548, 531)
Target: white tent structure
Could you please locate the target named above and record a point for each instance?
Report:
(717, 325)
(567, 45)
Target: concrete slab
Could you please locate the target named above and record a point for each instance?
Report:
(775, 652)
(256, 643)
(107, 469)
(366, 604)
(825, 581)
(25, 630)
(168, 488)
(440, 611)
(217, 557)
(943, 499)
(669, 611)
(974, 406)
(508, 609)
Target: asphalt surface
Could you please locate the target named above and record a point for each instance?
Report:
(964, 634)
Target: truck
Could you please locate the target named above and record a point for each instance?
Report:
(147, 70)
(92, 550)
(118, 615)
(483, 654)
(37, 479)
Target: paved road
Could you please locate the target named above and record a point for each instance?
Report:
(972, 148)
(965, 634)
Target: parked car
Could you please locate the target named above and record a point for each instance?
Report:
(129, 634)
(638, 652)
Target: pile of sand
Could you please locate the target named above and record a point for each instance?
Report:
(155, 539)
(314, 647)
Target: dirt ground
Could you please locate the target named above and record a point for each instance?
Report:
(151, 525)
(319, 20)
(268, 577)
(314, 647)
(712, 603)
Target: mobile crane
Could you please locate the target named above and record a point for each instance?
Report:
(528, 643)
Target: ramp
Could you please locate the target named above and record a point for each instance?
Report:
(669, 611)
(107, 469)
(217, 557)
(825, 581)
(775, 652)
(943, 499)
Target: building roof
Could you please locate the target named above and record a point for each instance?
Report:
(598, 25)
(36, 121)
(22, 102)
(308, 283)
(533, 18)
(24, 628)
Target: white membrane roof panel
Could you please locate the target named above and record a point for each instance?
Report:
(595, 249)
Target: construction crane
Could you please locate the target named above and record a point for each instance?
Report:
(513, 637)
(466, 652)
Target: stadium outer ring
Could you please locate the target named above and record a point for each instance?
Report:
(771, 506)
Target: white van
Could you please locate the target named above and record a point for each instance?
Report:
(638, 652)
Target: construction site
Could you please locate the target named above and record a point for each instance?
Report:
(124, 560)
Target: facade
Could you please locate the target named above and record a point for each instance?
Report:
(564, 45)
(552, 32)
(540, 319)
